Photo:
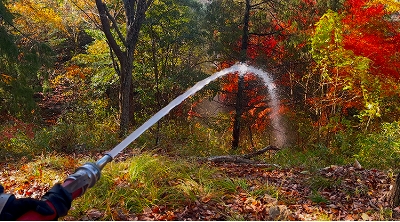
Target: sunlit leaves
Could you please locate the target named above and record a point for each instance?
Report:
(392, 6)
(339, 69)
(356, 50)
(39, 13)
(327, 36)
(19, 67)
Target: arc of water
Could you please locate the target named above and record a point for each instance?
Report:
(241, 68)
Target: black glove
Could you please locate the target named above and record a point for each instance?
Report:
(60, 198)
(14, 208)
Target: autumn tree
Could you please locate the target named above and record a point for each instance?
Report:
(355, 67)
(255, 39)
(361, 61)
(123, 47)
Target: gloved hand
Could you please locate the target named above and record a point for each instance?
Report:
(60, 198)
(14, 208)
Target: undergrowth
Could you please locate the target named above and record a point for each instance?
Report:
(159, 176)
(150, 180)
(190, 139)
(163, 175)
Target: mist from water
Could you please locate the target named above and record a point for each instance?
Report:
(278, 131)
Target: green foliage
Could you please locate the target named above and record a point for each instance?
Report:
(318, 183)
(311, 158)
(19, 65)
(342, 74)
(71, 138)
(65, 137)
(222, 22)
(193, 139)
(97, 59)
(17, 147)
(328, 33)
(380, 149)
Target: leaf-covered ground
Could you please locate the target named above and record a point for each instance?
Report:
(332, 193)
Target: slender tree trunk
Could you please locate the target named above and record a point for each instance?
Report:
(157, 82)
(239, 97)
(251, 137)
(394, 195)
(238, 114)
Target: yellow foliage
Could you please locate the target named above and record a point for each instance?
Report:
(37, 14)
(44, 18)
(391, 6)
(98, 47)
(75, 71)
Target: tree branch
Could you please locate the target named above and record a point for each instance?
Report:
(264, 34)
(259, 152)
(101, 7)
(114, 25)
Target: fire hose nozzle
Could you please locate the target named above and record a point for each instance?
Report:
(103, 161)
(87, 175)
(76, 184)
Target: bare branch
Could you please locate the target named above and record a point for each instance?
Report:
(114, 25)
(101, 7)
(87, 15)
(264, 34)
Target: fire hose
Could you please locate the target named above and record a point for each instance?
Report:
(77, 183)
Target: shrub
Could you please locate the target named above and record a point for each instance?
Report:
(382, 149)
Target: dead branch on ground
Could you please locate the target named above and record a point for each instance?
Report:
(244, 159)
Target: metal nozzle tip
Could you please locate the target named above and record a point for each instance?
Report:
(103, 161)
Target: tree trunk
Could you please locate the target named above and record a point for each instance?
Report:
(157, 81)
(238, 114)
(244, 159)
(394, 195)
(125, 97)
(135, 14)
(239, 96)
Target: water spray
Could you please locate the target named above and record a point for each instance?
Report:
(87, 175)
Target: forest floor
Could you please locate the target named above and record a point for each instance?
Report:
(341, 193)
(331, 193)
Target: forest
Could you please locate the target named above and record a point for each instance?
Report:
(300, 119)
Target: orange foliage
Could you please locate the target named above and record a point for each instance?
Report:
(74, 71)
(256, 97)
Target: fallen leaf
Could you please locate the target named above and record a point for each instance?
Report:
(93, 214)
(365, 216)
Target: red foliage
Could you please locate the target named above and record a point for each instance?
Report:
(255, 99)
(372, 34)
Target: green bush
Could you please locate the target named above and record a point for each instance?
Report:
(29, 140)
